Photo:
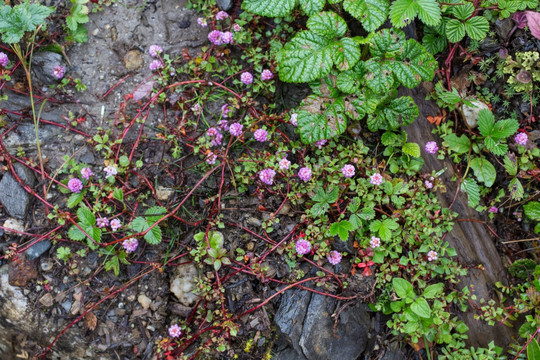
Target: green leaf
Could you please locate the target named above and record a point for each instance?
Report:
(271, 8)
(486, 122)
(85, 216)
(80, 13)
(379, 76)
(473, 191)
(432, 41)
(215, 239)
(74, 199)
(123, 161)
(355, 221)
(118, 194)
(15, 21)
(484, 170)
(327, 24)
(348, 81)
(307, 57)
(496, 146)
(153, 237)
(532, 210)
(463, 11)
(411, 149)
(311, 7)
(139, 224)
(75, 234)
(155, 213)
(505, 128)
(71, 23)
(459, 145)
(319, 209)
(346, 54)
(401, 111)
(533, 350)
(342, 229)
(414, 65)
(510, 166)
(113, 264)
(433, 291)
(477, 27)
(516, 189)
(421, 308)
(455, 30)
(80, 35)
(371, 13)
(403, 288)
(402, 12)
(314, 127)
(368, 213)
(429, 12)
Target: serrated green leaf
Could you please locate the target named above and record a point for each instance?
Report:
(510, 166)
(348, 82)
(368, 213)
(463, 10)
(505, 128)
(85, 216)
(496, 147)
(532, 210)
(74, 199)
(306, 57)
(76, 234)
(15, 21)
(327, 24)
(411, 149)
(433, 291)
(516, 189)
(371, 13)
(71, 23)
(473, 191)
(455, 30)
(432, 41)
(387, 44)
(364, 105)
(379, 76)
(118, 194)
(271, 8)
(155, 213)
(483, 170)
(414, 65)
(346, 54)
(153, 237)
(80, 35)
(315, 127)
(319, 209)
(401, 111)
(459, 145)
(403, 288)
(355, 221)
(421, 308)
(139, 224)
(429, 12)
(533, 350)
(79, 12)
(311, 7)
(402, 12)
(486, 122)
(354, 205)
(391, 138)
(477, 27)
(342, 229)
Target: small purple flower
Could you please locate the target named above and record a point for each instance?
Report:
(211, 158)
(294, 119)
(237, 27)
(130, 245)
(155, 64)
(521, 139)
(155, 50)
(111, 170)
(225, 110)
(196, 109)
(348, 170)
(376, 179)
(215, 135)
(86, 173)
(202, 22)
(236, 129)
(227, 37)
(267, 176)
(493, 210)
(75, 185)
(284, 164)
(215, 37)
(58, 71)
(428, 184)
(431, 147)
(115, 224)
(4, 60)
(375, 242)
(304, 174)
(334, 257)
(175, 331)
(266, 75)
(319, 144)
(260, 135)
(102, 222)
(432, 255)
(303, 247)
(246, 78)
(221, 15)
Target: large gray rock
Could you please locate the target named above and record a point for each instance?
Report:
(43, 64)
(38, 249)
(12, 195)
(306, 321)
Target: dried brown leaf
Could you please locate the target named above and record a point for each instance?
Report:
(91, 320)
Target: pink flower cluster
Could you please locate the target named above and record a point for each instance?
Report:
(237, 27)
(304, 174)
(284, 164)
(260, 135)
(319, 144)
(221, 15)
(58, 71)
(155, 50)
(217, 37)
(303, 247)
(102, 222)
(225, 110)
(110, 170)
(267, 176)
(294, 119)
(266, 75)
(246, 78)
(334, 257)
(155, 64)
(215, 136)
(493, 210)
(202, 22)
(211, 158)
(375, 242)
(521, 139)
(348, 170)
(432, 255)
(115, 224)
(431, 147)
(236, 129)
(175, 331)
(130, 245)
(86, 173)
(4, 60)
(376, 179)
(428, 184)
(75, 185)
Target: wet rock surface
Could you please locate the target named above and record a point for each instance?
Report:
(13, 197)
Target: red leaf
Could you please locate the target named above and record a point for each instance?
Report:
(143, 90)
(533, 20)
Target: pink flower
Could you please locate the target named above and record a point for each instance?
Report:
(215, 135)
(319, 144)
(237, 27)
(267, 176)
(202, 22)
(521, 139)
(428, 184)
(115, 224)
(432, 255)
(304, 174)
(376, 179)
(348, 170)
(155, 64)
(334, 257)
(130, 245)
(58, 71)
(294, 119)
(110, 170)
(86, 173)
(284, 164)
(225, 110)
(228, 37)
(211, 158)
(236, 129)
(4, 60)
(493, 210)
(175, 331)
(246, 78)
(303, 247)
(215, 37)
(155, 50)
(375, 242)
(75, 185)
(266, 75)
(260, 135)
(431, 147)
(196, 109)
(221, 15)
(102, 222)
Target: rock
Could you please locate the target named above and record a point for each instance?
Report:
(144, 301)
(163, 193)
(183, 284)
(38, 249)
(14, 224)
(12, 195)
(46, 266)
(21, 271)
(503, 28)
(184, 23)
(224, 4)
(489, 44)
(470, 113)
(24, 136)
(43, 64)
(306, 321)
(133, 60)
(47, 300)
